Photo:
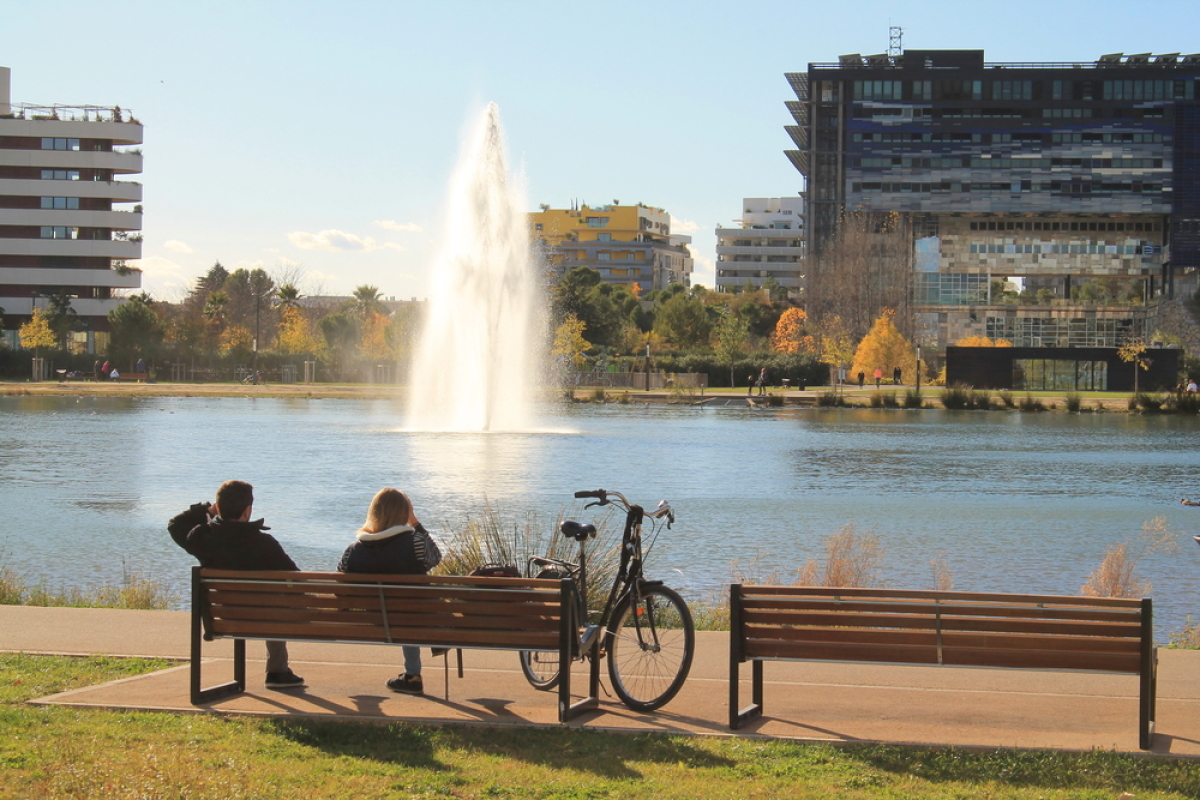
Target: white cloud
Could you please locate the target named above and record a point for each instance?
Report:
(392, 225)
(176, 246)
(684, 226)
(163, 278)
(336, 241)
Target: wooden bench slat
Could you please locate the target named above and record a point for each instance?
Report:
(360, 619)
(930, 638)
(749, 593)
(782, 620)
(448, 637)
(945, 610)
(277, 593)
(481, 605)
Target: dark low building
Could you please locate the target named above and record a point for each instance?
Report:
(1068, 369)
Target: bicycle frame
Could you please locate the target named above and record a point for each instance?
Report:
(629, 579)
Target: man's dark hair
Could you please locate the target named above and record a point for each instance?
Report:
(233, 498)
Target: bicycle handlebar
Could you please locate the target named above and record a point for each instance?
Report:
(602, 499)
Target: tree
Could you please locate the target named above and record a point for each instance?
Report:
(982, 341)
(569, 341)
(61, 317)
(37, 333)
(137, 331)
(1135, 351)
(835, 344)
(732, 339)
(790, 335)
(884, 347)
(367, 301)
(297, 334)
(373, 344)
(865, 267)
(683, 321)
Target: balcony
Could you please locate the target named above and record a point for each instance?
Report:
(102, 248)
(118, 191)
(125, 163)
(74, 218)
(21, 276)
(121, 133)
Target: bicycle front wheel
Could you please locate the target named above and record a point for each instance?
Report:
(540, 668)
(650, 647)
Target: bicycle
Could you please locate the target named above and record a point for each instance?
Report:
(648, 634)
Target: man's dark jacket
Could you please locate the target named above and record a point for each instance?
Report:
(227, 544)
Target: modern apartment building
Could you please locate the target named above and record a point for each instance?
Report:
(625, 244)
(63, 230)
(1051, 204)
(768, 244)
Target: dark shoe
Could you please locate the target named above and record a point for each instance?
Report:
(284, 680)
(407, 684)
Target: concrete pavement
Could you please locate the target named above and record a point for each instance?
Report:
(936, 706)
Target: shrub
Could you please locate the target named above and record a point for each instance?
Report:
(852, 560)
(1074, 402)
(1147, 402)
(1031, 403)
(980, 399)
(830, 399)
(1183, 403)
(1186, 639)
(1006, 397)
(913, 399)
(956, 397)
(1115, 577)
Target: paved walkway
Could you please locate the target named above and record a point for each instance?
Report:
(804, 701)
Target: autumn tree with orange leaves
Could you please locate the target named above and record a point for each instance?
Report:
(790, 335)
(886, 348)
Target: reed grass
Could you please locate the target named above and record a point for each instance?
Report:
(1116, 576)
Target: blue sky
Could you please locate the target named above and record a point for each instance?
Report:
(320, 136)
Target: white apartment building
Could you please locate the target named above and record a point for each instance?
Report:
(769, 244)
(62, 226)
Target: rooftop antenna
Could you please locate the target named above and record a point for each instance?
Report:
(895, 35)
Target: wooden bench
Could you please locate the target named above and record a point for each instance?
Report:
(132, 376)
(423, 610)
(965, 629)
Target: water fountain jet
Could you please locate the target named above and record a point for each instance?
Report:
(480, 348)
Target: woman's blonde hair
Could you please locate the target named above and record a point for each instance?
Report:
(389, 508)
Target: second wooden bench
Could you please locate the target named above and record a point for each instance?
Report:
(940, 628)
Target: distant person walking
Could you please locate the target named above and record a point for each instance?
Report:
(878, 376)
(897, 374)
(862, 377)
(762, 381)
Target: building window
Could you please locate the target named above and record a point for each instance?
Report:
(60, 174)
(59, 144)
(70, 203)
(604, 256)
(604, 237)
(597, 222)
(59, 232)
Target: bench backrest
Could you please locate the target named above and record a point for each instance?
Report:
(936, 627)
(471, 612)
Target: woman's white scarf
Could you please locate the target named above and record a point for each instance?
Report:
(395, 530)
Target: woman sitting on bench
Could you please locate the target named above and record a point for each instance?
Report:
(392, 541)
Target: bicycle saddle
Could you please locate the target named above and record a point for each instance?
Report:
(577, 530)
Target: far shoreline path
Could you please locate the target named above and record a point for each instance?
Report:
(719, 397)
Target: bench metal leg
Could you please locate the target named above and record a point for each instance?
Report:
(745, 716)
(238, 684)
(566, 644)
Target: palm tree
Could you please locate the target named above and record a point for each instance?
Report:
(367, 301)
(288, 296)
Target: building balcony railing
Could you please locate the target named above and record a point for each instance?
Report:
(119, 191)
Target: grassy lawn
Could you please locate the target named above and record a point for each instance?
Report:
(70, 753)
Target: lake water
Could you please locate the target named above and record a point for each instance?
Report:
(1011, 502)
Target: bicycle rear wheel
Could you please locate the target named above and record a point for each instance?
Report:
(540, 668)
(650, 647)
